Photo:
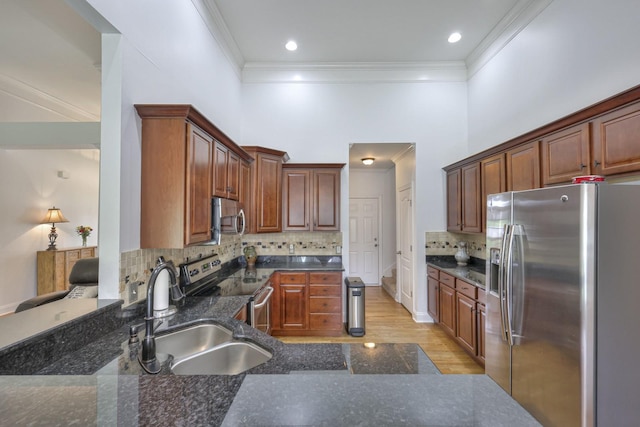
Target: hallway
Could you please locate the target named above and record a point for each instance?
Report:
(386, 321)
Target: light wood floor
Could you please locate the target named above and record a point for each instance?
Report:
(386, 321)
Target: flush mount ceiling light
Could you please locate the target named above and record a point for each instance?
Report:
(291, 45)
(454, 38)
(368, 161)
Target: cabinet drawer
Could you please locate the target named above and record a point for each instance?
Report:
(433, 272)
(447, 279)
(325, 291)
(325, 305)
(466, 288)
(293, 278)
(334, 278)
(325, 321)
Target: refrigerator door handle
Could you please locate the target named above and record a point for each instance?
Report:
(502, 270)
(509, 285)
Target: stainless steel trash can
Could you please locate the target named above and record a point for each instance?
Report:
(355, 306)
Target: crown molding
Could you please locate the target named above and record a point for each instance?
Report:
(212, 18)
(509, 27)
(355, 72)
(43, 100)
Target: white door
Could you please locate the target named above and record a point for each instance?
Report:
(363, 240)
(405, 254)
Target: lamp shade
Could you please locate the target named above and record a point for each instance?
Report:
(54, 216)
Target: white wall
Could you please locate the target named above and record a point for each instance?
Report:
(30, 187)
(379, 184)
(554, 68)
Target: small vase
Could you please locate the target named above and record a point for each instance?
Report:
(462, 257)
(84, 241)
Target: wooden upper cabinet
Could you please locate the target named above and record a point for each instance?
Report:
(494, 179)
(565, 154)
(311, 197)
(296, 187)
(616, 141)
(523, 167)
(177, 153)
(244, 185)
(454, 200)
(463, 199)
(264, 206)
(226, 172)
(471, 195)
(199, 171)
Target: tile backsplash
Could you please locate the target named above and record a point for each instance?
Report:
(446, 243)
(137, 265)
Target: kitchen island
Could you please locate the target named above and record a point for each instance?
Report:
(331, 384)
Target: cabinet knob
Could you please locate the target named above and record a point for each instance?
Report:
(596, 163)
(582, 166)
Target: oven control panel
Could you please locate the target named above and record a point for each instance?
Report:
(197, 270)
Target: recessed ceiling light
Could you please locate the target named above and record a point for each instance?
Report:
(291, 45)
(454, 37)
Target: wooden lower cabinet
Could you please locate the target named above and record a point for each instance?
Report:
(54, 267)
(307, 303)
(466, 322)
(447, 308)
(459, 308)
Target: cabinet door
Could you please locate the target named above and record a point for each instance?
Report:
(326, 200)
(565, 154)
(268, 200)
(293, 306)
(233, 176)
(615, 141)
(447, 309)
(523, 167)
(296, 187)
(482, 318)
(433, 298)
(466, 322)
(471, 193)
(454, 190)
(198, 197)
(220, 161)
(494, 179)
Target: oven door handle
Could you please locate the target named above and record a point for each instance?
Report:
(255, 306)
(269, 289)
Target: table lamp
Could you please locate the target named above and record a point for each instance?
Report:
(53, 215)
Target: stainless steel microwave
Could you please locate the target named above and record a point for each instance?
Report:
(227, 217)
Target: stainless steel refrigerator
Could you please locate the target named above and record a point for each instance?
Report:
(563, 302)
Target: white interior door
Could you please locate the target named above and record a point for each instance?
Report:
(363, 240)
(405, 255)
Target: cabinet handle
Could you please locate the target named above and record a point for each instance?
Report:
(582, 166)
(596, 163)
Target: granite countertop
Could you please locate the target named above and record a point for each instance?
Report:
(324, 384)
(473, 272)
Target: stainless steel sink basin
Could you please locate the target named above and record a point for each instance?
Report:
(230, 358)
(192, 340)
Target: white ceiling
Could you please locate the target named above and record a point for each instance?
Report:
(50, 56)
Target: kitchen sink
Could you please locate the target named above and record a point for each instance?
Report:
(229, 358)
(192, 340)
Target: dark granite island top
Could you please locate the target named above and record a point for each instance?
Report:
(101, 383)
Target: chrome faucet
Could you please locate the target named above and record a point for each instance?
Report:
(147, 356)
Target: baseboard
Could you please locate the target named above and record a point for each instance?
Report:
(422, 317)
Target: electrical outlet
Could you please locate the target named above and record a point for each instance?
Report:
(338, 249)
(133, 291)
(292, 249)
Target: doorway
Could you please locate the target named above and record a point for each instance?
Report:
(364, 242)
